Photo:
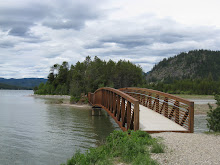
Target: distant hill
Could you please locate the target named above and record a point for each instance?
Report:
(25, 82)
(6, 86)
(197, 64)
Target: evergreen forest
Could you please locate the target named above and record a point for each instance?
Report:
(195, 72)
(6, 86)
(195, 64)
(89, 75)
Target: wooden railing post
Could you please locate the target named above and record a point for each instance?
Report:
(157, 103)
(123, 111)
(177, 113)
(108, 100)
(150, 101)
(105, 99)
(119, 108)
(128, 115)
(136, 116)
(144, 99)
(138, 96)
(191, 117)
(166, 107)
(114, 104)
(89, 97)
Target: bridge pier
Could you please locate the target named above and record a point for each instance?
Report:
(96, 111)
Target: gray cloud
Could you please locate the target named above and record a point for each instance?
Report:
(60, 24)
(129, 41)
(56, 15)
(19, 31)
(36, 34)
(6, 44)
(19, 20)
(74, 16)
(147, 38)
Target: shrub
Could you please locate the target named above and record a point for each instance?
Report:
(74, 99)
(157, 148)
(214, 116)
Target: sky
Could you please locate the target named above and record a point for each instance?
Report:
(35, 34)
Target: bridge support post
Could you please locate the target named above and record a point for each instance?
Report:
(96, 111)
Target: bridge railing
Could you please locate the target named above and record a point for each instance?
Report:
(123, 108)
(179, 110)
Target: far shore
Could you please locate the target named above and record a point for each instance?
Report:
(65, 101)
(52, 96)
(200, 109)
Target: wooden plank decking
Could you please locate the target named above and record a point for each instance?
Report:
(151, 121)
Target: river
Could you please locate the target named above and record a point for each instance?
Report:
(37, 133)
(32, 131)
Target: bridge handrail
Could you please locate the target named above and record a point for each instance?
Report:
(122, 107)
(165, 104)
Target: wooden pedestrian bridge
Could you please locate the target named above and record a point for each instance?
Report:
(145, 109)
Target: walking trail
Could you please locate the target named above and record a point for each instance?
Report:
(189, 148)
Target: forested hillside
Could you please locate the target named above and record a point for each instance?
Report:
(89, 75)
(6, 86)
(25, 82)
(197, 64)
(195, 72)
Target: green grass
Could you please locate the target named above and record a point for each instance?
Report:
(157, 148)
(131, 147)
(213, 133)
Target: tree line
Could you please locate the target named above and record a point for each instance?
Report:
(6, 86)
(188, 86)
(89, 75)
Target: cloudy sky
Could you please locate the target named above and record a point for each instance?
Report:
(35, 34)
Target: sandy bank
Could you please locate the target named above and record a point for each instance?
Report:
(83, 106)
(190, 149)
(52, 96)
(65, 100)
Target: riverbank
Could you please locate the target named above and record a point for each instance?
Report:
(52, 96)
(200, 102)
(186, 148)
(199, 109)
(63, 100)
(202, 97)
(121, 148)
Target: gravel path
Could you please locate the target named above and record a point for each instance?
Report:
(189, 149)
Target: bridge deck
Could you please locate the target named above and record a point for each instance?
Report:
(151, 121)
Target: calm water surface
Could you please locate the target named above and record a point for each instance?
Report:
(200, 123)
(33, 132)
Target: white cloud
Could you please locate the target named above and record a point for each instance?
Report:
(35, 34)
